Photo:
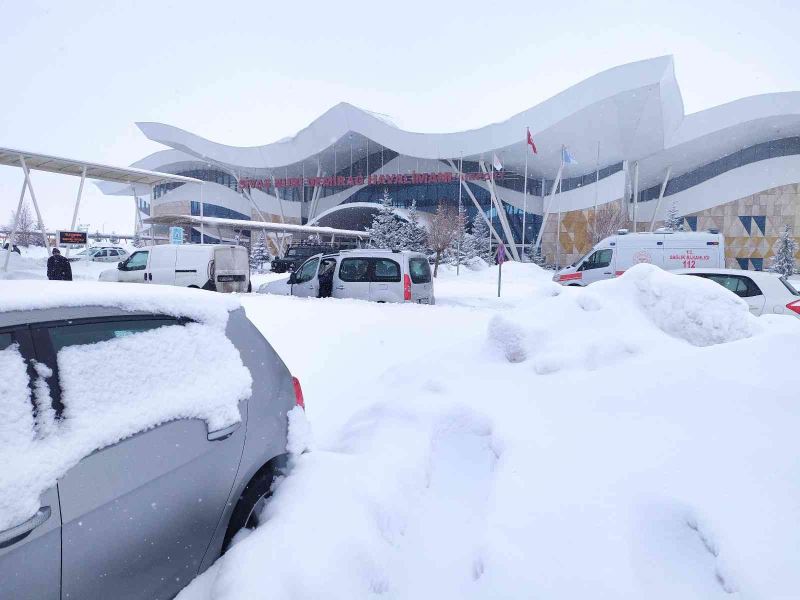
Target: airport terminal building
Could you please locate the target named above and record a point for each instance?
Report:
(632, 155)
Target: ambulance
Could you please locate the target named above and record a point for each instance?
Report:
(669, 250)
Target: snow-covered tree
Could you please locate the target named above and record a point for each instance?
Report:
(480, 234)
(784, 261)
(28, 233)
(444, 229)
(673, 220)
(535, 255)
(387, 228)
(415, 236)
(137, 240)
(461, 244)
(259, 255)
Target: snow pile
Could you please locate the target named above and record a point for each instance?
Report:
(111, 390)
(209, 307)
(702, 314)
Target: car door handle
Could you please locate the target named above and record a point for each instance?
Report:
(607, 273)
(222, 434)
(145, 276)
(16, 533)
(339, 287)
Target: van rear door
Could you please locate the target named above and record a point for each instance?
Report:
(419, 272)
(161, 269)
(231, 269)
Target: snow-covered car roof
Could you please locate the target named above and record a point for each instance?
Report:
(713, 271)
(199, 305)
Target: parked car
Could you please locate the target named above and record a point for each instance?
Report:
(296, 254)
(101, 254)
(669, 250)
(216, 267)
(139, 518)
(377, 275)
(764, 292)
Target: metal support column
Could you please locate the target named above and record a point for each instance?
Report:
(660, 197)
(10, 238)
(635, 196)
(477, 204)
(35, 203)
(77, 204)
(501, 215)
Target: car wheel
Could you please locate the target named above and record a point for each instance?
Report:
(249, 508)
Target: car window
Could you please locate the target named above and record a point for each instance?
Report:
(328, 265)
(354, 270)
(101, 253)
(92, 333)
(744, 287)
(386, 270)
(307, 271)
(598, 260)
(420, 270)
(137, 261)
(113, 253)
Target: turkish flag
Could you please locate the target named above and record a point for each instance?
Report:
(530, 141)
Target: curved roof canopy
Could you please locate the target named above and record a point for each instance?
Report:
(634, 112)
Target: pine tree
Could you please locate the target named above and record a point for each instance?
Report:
(137, 240)
(259, 255)
(673, 220)
(415, 236)
(480, 232)
(784, 262)
(387, 229)
(535, 255)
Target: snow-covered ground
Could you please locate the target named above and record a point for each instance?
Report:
(636, 439)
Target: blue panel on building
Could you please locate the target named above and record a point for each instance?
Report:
(762, 224)
(758, 263)
(692, 222)
(746, 222)
(742, 263)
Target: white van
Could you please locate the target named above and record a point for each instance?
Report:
(377, 275)
(219, 267)
(669, 250)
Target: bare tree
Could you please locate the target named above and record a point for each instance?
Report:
(610, 218)
(27, 228)
(444, 228)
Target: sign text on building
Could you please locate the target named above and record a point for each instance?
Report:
(412, 178)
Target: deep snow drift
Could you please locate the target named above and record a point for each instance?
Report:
(636, 439)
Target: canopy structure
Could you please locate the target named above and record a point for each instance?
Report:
(90, 170)
(180, 220)
(34, 161)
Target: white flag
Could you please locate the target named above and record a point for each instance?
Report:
(496, 162)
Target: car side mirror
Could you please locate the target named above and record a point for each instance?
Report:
(292, 279)
(121, 265)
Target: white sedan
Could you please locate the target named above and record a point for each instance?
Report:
(764, 292)
(101, 254)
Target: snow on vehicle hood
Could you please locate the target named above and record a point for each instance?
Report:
(206, 307)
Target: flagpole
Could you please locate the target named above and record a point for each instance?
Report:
(558, 220)
(525, 199)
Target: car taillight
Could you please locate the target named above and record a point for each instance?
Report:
(298, 393)
(794, 306)
(406, 287)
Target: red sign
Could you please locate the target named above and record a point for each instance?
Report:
(571, 276)
(412, 178)
(72, 238)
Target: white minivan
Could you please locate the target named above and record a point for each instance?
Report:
(669, 250)
(377, 275)
(216, 267)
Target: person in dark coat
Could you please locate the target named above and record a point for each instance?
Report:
(326, 279)
(58, 267)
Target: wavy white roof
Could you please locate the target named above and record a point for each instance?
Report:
(635, 112)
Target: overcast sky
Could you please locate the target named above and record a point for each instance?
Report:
(76, 75)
